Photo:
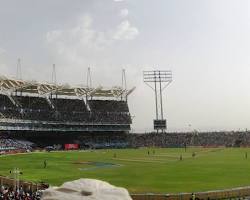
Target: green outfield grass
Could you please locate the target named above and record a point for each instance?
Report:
(134, 169)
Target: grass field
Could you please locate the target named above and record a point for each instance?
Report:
(134, 169)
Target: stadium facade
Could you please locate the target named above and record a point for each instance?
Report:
(33, 110)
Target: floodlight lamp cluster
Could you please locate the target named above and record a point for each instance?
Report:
(157, 76)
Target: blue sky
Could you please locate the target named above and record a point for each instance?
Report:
(204, 42)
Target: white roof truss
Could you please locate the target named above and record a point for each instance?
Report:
(8, 85)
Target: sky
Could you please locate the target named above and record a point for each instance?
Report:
(206, 44)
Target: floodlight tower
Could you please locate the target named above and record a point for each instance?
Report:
(158, 80)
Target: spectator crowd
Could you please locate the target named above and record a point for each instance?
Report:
(205, 139)
(9, 193)
(13, 144)
(64, 110)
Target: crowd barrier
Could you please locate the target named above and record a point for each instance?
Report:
(26, 185)
(216, 194)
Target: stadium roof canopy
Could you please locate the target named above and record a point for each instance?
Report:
(10, 85)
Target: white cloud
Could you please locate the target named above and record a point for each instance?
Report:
(84, 36)
(5, 70)
(118, 0)
(125, 31)
(81, 46)
(124, 13)
(2, 51)
(74, 39)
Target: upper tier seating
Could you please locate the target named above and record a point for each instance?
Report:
(64, 110)
(108, 106)
(69, 105)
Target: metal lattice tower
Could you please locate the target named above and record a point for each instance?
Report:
(124, 79)
(124, 83)
(19, 69)
(158, 80)
(89, 78)
(54, 74)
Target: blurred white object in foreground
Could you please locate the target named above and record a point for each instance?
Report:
(86, 189)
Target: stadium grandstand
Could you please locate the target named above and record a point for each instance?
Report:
(47, 114)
